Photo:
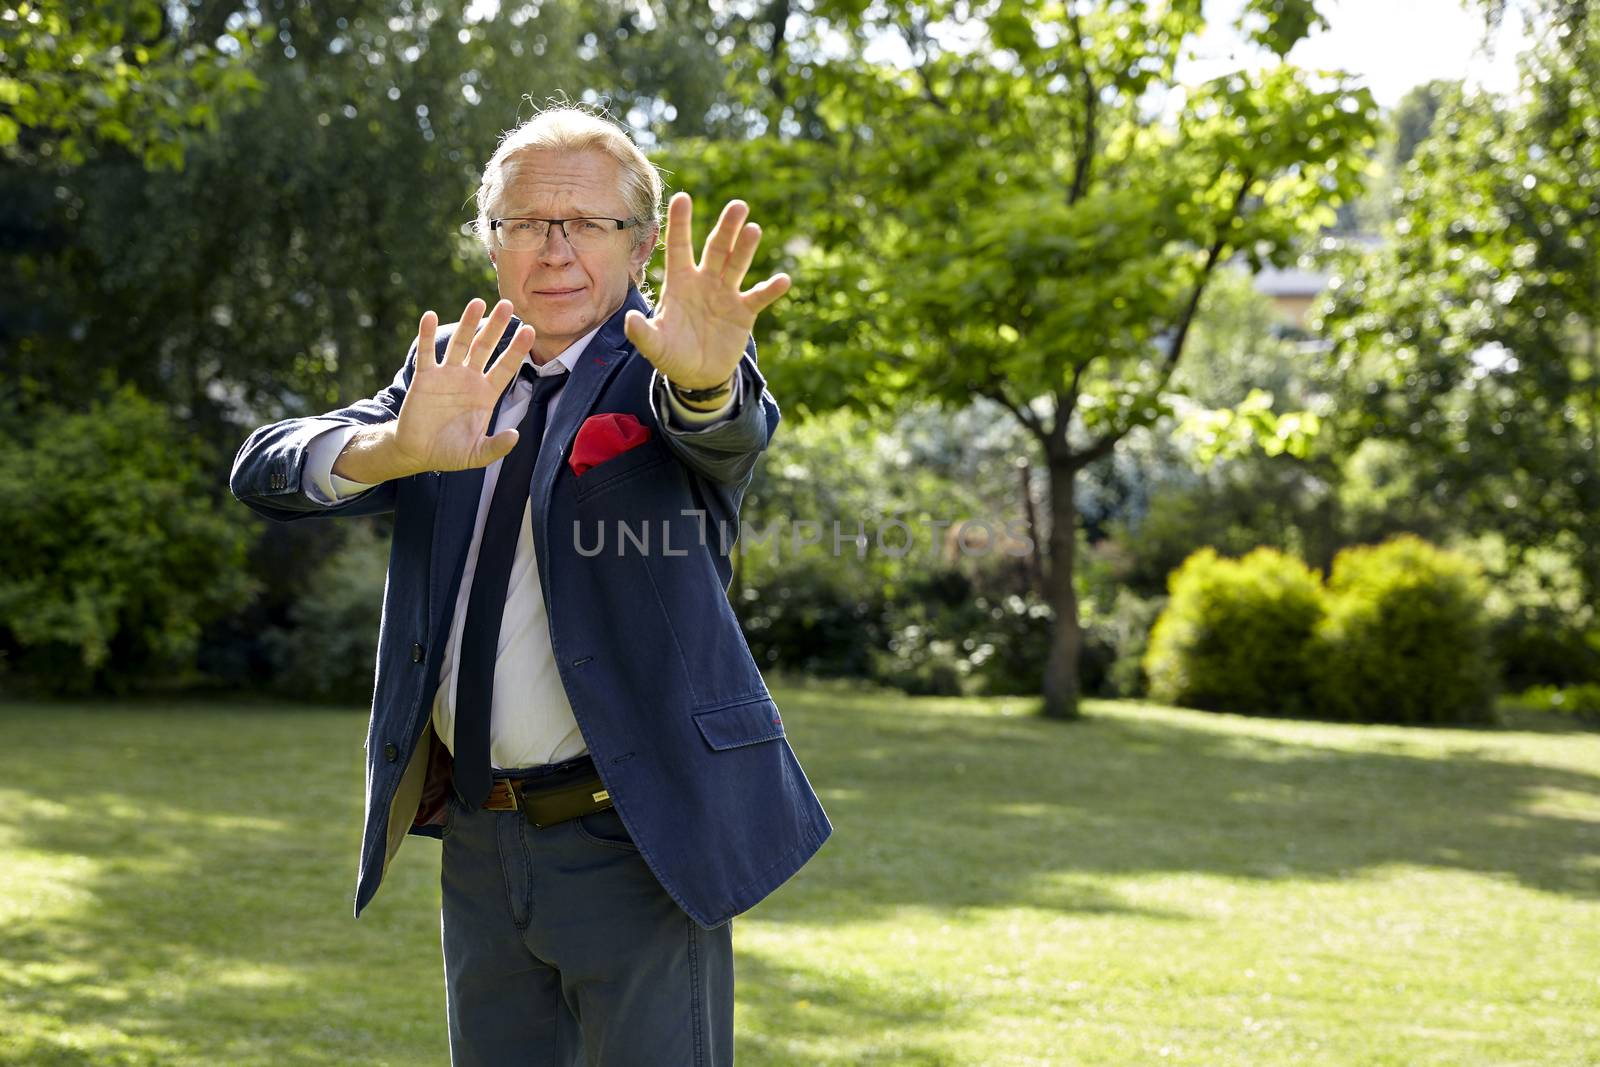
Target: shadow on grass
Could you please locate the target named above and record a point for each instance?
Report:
(964, 809)
(177, 891)
(790, 1014)
(176, 883)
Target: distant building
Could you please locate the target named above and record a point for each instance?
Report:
(1292, 289)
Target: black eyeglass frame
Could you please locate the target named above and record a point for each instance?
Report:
(561, 224)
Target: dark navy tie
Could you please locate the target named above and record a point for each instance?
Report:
(480, 633)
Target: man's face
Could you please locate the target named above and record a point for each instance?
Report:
(562, 291)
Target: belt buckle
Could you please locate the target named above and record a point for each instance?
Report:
(516, 800)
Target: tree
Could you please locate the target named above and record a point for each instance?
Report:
(284, 269)
(87, 73)
(1008, 214)
(1472, 337)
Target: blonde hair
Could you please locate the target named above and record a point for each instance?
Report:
(569, 127)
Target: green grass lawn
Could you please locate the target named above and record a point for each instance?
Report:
(1147, 886)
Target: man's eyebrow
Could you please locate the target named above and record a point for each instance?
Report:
(530, 213)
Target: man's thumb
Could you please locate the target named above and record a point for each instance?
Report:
(636, 326)
(497, 447)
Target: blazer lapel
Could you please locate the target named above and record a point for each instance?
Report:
(602, 359)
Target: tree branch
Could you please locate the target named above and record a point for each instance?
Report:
(778, 15)
(1101, 448)
(1213, 254)
(995, 390)
(928, 91)
(1080, 176)
(916, 31)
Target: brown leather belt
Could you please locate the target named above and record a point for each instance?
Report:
(547, 805)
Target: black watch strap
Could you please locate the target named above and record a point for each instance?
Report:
(700, 396)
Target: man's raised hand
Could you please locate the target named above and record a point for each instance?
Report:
(446, 411)
(698, 333)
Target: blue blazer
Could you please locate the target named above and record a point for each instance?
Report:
(669, 700)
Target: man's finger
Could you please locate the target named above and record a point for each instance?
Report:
(762, 296)
(488, 335)
(505, 368)
(719, 245)
(680, 219)
(744, 250)
(461, 340)
(427, 349)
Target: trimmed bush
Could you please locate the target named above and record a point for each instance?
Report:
(1405, 638)
(1234, 632)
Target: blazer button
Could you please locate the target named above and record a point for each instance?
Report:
(391, 752)
(416, 653)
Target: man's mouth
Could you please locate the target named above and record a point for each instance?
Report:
(557, 292)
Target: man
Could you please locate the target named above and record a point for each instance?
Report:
(585, 731)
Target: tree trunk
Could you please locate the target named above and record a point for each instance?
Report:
(1031, 560)
(1066, 637)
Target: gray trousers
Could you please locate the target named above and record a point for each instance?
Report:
(562, 950)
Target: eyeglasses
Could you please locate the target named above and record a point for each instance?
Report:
(527, 235)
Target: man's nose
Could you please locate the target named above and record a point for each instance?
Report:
(557, 249)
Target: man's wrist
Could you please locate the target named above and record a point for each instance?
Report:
(703, 399)
(371, 456)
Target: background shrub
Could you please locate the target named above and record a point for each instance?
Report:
(1233, 634)
(804, 616)
(1405, 638)
(947, 637)
(1115, 641)
(118, 551)
(329, 650)
(1580, 703)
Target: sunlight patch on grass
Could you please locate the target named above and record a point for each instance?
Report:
(1148, 885)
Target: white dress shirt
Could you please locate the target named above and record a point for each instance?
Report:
(531, 721)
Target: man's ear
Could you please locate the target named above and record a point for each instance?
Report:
(646, 249)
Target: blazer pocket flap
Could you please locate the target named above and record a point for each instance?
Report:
(746, 723)
(616, 469)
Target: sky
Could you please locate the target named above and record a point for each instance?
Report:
(1392, 44)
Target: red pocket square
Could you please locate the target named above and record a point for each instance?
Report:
(603, 437)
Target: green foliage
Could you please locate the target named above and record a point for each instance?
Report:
(81, 74)
(946, 638)
(1116, 638)
(1233, 634)
(903, 605)
(1580, 703)
(804, 616)
(330, 647)
(1016, 227)
(1471, 334)
(283, 271)
(117, 550)
(1405, 638)
(1543, 627)
(1280, 24)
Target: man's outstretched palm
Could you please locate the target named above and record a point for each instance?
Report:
(446, 411)
(702, 321)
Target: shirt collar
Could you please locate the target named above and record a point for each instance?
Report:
(567, 359)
